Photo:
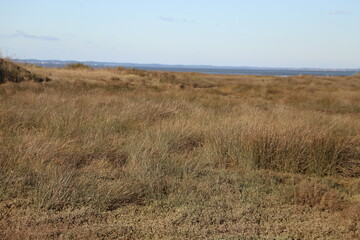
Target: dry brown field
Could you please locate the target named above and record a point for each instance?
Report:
(129, 154)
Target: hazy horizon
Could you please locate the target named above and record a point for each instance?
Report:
(28, 60)
(278, 34)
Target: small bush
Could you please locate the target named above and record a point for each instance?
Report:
(77, 66)
(318, 195)
(137, 72)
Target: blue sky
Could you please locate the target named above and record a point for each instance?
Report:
(264, 33)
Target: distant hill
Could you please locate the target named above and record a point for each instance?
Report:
(61, 63)
(208, 69)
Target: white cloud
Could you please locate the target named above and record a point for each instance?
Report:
(172, 19)
(25, 35)
(339, 12)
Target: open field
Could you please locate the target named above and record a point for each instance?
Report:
(129, 154)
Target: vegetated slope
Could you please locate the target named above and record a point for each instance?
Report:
(128, 154)
(12, 72)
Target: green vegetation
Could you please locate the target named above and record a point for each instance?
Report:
(130, 154)
(77, 66)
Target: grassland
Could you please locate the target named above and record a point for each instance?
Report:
(128, 154)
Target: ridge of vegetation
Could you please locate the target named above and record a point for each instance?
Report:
(12, 72)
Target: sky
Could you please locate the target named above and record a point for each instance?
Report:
(259, 33)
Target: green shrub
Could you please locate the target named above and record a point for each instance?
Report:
(77, 66)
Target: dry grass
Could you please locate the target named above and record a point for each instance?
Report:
(129, 154)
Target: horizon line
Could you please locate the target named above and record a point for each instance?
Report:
(187, 65)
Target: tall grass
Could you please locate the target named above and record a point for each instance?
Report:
(83, 140)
